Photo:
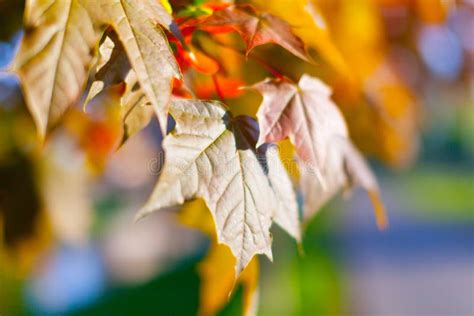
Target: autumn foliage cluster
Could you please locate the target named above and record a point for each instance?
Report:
(259, 102)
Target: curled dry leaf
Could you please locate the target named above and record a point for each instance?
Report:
(306, 115)
(211, 155)
(135, 109)
(112, 68)
(257, 28)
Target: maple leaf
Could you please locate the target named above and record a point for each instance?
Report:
(60, 44)
(257, 28)
(136, 24)
(218, 279)
(303, 113)
(390, 107)
(306, 115)
(217, 268)
(211, 155)
(55, 54)
(308, 23)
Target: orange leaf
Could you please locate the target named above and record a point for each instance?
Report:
(256, 28)
(229, 87)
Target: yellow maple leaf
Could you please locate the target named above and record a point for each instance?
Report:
(383, 114)
(217, 281)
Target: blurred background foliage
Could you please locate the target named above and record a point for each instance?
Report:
(68, 245)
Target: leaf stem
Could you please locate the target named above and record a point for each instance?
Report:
(218, 88)
(276, 73)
